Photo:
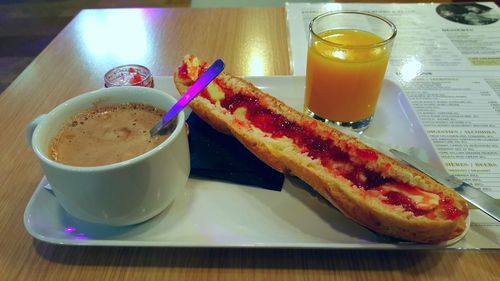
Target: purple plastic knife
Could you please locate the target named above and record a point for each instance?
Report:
(190, 94)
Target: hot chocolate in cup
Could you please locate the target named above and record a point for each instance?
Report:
(120, 193)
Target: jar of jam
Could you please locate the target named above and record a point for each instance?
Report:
(129, 75)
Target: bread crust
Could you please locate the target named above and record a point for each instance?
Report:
(283, 155)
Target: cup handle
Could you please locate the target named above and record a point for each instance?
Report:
(31, 128)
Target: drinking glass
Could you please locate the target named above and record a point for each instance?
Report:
(346, 63)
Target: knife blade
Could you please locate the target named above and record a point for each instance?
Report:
(473, 195)
(203, 81)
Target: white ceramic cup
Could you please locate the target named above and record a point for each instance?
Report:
(122, 193)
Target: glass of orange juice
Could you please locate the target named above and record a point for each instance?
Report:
(346, 62)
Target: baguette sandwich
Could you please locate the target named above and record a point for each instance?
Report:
(369, 187)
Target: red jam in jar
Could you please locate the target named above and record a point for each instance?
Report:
(129, 75)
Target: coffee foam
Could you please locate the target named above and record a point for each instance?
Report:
(106, 134)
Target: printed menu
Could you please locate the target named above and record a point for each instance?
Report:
(446, 59)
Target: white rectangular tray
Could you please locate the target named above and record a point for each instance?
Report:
(212, 213)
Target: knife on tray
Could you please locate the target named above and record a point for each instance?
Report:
(473, 195)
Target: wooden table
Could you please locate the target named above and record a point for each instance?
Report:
(252, 42)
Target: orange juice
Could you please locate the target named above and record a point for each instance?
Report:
(344, 79)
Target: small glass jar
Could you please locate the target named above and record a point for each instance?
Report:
(129, 75)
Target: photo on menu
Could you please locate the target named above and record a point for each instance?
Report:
(468, 13)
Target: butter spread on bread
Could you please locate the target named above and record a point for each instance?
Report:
(366, 185)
